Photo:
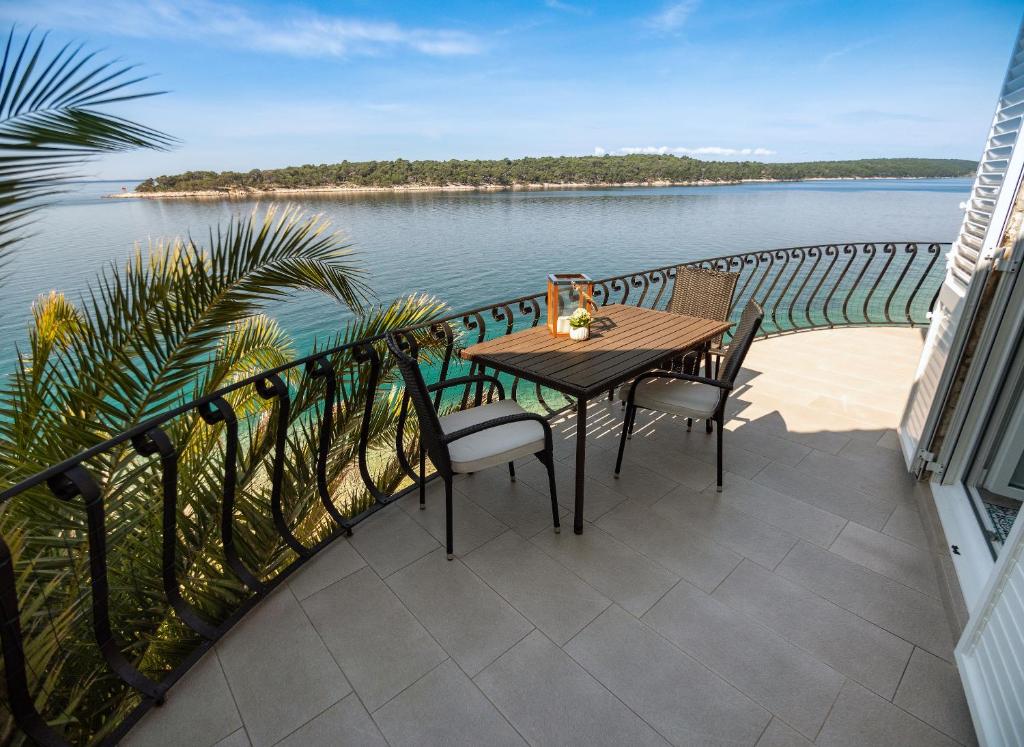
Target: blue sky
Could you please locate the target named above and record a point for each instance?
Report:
(272, 84)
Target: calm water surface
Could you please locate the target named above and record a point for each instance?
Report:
(472, 248)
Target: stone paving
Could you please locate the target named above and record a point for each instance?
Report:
(799, 606)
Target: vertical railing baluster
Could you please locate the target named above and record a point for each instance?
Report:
(77, 482)
(890, 250)
(933, 249)
(868, 252)
(156, 442)
(829, 251)
(911, 251)
(778, 272)
(814, 253)
(270, 387)
(408, 341)
(19, 698)
(367, 353)
(850, 254)
(321, 368)
(219, 411)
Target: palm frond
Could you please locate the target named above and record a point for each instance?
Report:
(52, 120)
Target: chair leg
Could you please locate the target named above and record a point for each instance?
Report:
(632, 424)
(512, 471)
(449, 543)
(626, 427)
(720, 429)
(549, 461)
(708, 425)
(689, 424)
(423, 477)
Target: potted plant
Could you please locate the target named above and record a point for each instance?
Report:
(579, 324)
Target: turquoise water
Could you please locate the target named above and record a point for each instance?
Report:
(472, 248)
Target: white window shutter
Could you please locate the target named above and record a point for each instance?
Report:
(967, 266)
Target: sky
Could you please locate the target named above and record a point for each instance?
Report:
(264, 85)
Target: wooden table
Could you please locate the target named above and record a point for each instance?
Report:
(624, 341)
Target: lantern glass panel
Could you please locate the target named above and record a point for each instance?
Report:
(566, 293)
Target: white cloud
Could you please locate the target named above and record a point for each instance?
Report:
(298, 34)
(599, 151)
(567, 7)
(673, 16)
(848, 49)
(707, 150)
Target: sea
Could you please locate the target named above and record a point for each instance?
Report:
(475, 248)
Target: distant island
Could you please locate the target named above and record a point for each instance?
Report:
(534, 173)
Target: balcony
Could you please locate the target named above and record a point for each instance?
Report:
(805, 603)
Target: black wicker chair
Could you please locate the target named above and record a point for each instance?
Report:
(687, 394)
(472, 439)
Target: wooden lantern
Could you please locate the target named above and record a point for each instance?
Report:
(566, 293)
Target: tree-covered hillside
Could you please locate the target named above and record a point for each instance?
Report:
(549, 170)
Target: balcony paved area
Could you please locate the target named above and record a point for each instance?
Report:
(800, 605)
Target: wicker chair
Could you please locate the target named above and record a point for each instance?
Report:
(473, 439)
(687, 394)
(705, 293)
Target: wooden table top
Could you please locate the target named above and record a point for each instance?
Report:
(624, 341)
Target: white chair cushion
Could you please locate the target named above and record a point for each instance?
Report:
(691, 399)
(495, 445)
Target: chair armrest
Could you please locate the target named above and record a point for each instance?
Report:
(460, 380)
(504, 420)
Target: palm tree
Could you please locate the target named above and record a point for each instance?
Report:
(178, 324)
(52, 120)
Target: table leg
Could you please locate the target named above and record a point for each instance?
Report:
(581, 462)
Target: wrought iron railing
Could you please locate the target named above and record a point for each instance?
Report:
(303, 453)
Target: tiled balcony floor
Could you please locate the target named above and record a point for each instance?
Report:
(800, 605)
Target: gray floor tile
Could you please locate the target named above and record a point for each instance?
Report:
(672, 692)
(551, 597)
(379, 644)
(910, 614)
(829, 495)
(786, 680)
(844, 641)
(861, 718)
(391, 540)
(599, 498)
(614, 569)
(889, 556)
(551, 700)
(740, 532)
(672, 463)
(635, 481)
(199, 710)
(327, 566)
(763, 419)
(772, 447)
(344, 723)
(515, 504)
(279, 670)
(699, 444)
(235, 739)
(444, 708)
(470, 621)
(905, 524)
(672, 543)
(780, 510)
(931, 690)
(779, 735)
(471, 525)
(871, 476)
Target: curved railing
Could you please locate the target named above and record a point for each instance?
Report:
(300, 455)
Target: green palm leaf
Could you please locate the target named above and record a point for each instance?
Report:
(51, 121)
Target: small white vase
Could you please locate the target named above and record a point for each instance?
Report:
(579, 333)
